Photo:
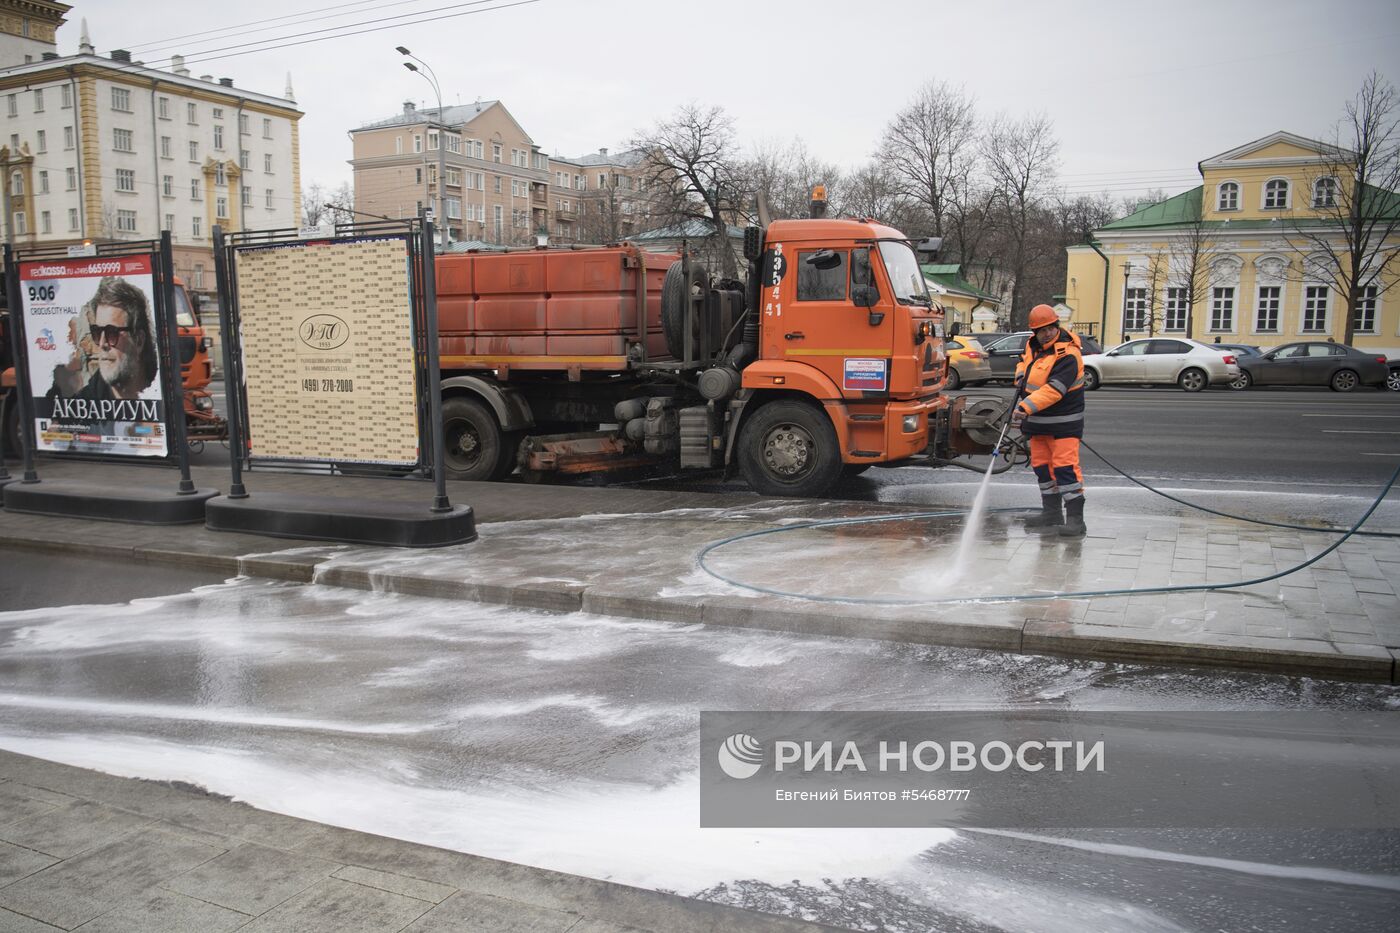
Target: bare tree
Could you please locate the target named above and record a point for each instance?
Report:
(1353, 207)
(931, 148)
(785, 175)
(869, 191)
(1022, 159)
(1192, 253)
(691, 171)
(313, 205)
(1155, 275)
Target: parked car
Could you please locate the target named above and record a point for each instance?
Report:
(1159, 361)
(967, 361)
(1392, 379)
(1005, 353)
(1240, 351)
(1314, 363)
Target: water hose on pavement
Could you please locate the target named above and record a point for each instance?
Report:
(1020, 597)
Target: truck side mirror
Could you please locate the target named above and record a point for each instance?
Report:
(865, 296)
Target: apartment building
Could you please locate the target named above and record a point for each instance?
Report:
(495, 189)
(597, 198)
(108, 149)
(28, 29)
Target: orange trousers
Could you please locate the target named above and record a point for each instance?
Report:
(1055, 461)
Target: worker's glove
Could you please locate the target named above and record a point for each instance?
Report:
(1018, 414)
(1020, 382)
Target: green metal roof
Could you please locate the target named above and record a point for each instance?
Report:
(1185, 208)
(946, 274)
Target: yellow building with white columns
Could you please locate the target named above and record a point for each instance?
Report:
(1255, 232)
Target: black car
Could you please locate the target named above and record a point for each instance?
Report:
(1314, 363)
(1003, 354)
(1240, 351)
(1392, 379)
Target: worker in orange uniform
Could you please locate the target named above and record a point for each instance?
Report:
(1051, 414)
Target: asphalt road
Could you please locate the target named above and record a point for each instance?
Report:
(570, 742)
(1312, 440)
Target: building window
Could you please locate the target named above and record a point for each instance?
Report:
(243, 125)
(198, 281)
(267, 129)
(498, 213)
(1175, 317)
(194, 151)
(41, 140)
(192, 113)
(454, 144)
(221, 207)
(45, 223)
(21, 223)
(126, 179)
(1134, 309)
(267, 162)
(269, 198)
(167, 185)
(72, 218)
(1314, 309)
(1325, 192)
(1222, 309)
(66, 95)
(218, 113)
(71, 178)
(43, 182)
(165, 147)
(1266, 311)
(121, 99)
(247, 192)
(163, 107)
(12, 101)
(454, 209)
(417, 142)
(39, 100)
(496, 154)
(498, 183)
(1229, 197)
(432, 140)
(245, 159)
(476, 151)
(579, 182)
(126, 221)
(169, 222)
(1365, 321)
(454, 177)
(196, 190)
(418, 175)
(194, 228)
(1275, 194)
(220, 178)
(398, 145)
(218, 136)
(68, 137)
(121, 140)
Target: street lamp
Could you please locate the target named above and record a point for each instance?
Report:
(442, 137)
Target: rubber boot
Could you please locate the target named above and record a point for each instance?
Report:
(1050, 519)
(1074, 519)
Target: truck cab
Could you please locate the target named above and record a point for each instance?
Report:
(850, 357)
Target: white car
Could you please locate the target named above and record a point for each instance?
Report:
(1160, 361)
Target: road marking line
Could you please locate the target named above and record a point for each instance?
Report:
(1395, 456)
(1347, 416)
(1327, 431)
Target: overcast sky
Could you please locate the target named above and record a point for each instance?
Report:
(1138, 92)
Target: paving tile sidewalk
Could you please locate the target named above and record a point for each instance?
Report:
(80, 850)
(633, 553)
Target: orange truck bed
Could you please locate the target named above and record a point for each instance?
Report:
(544, 309)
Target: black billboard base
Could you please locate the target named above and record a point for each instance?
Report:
(348, 521)
(140, 505)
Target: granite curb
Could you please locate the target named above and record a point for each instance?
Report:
(913, 625)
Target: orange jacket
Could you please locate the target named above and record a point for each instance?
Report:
(1053, 379)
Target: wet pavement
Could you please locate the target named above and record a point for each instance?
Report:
(569, 742)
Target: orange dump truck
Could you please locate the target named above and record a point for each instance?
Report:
(828, 359)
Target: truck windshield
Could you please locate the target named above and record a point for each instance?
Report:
(905, 275)
(184, 314)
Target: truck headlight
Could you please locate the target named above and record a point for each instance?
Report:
(911, 424)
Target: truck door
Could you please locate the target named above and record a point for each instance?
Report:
(825, 330)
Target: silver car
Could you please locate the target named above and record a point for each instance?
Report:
(1161, 361)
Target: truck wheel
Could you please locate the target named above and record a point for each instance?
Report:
(789, 448)
(472, 444)
(673, 308)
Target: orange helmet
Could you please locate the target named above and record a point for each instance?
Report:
(1042, 316)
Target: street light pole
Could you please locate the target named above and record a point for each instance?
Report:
(431, 78)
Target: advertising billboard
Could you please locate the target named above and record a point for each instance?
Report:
(326, 331)
(93, 352)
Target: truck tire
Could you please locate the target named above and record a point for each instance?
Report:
(789, 448)
(473, 448)
(673, 309)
